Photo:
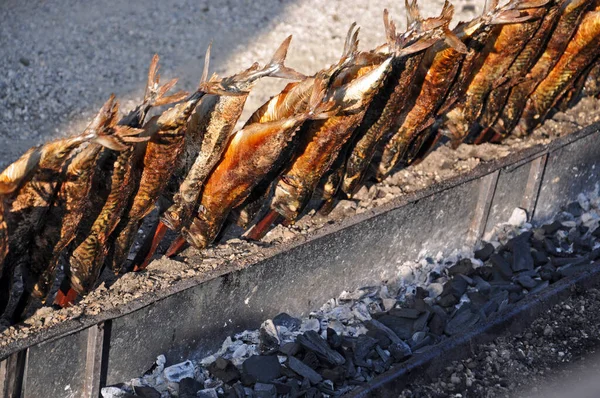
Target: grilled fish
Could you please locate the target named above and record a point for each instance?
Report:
(581, 51)
(386, 108)
(570, 18)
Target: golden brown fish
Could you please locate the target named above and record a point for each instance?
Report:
(29, 204)
(250, 155)
(386, 108)
(581, 51)
(500, 54)
(162, 153)
(570, 18)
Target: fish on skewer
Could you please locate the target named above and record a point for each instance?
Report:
(159, 161)
(73, 199)
(517, 72)
(324, 139)
(29, 204)
(251, 153)
(387, 106)
(292, 100)
(570, 17)
(213, 122)
(581, 51)
(500, 53)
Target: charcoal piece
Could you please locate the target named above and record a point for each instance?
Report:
(550, 247)
(461, 322)
(149, 392)
(290, 348)
(551, 229)
(400, 351)
(262, 368)
(583, 246)
(583, 229)
(382, 339)
(575, 209)
(235, 391)
(385, 357)
(313, 342)
(377, 325)
(224, 370)
(285, 388)
(506, 286)
(291, 323)
(541, 286)
(311, 359)
(464, 266)
(485, 252)
(457, 287)
(334, 339)
(573, 269)
(486, 273)
(514, 297)
(539, 258)
(562, 261)
(437, 324)
(336, 374)
(539, 234)
(362, 348)
(448, 300)
(547, 272)
(188, 388)
(263, 390)
(501, 265)
(378, 367)
(421, 293)
(522, 259)
(596, 233)
(349, 365)
(313, 392)
(421, 322)
(409, 313)
(304, 370)
(482, 285)
(402, 327)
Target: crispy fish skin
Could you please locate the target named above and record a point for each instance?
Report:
(250, 155)
(31, 202)
(583, 48)
(439, 68)
(508, 44)
(87, 259)
(324, 140)
(386, 108)
(213, 122)
(522, 63)
(569, 19)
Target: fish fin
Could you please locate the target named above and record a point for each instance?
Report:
(453, 41)
(490, 6)
(276, 66)
(317, 107)
(443, 20)
(155, 94)
(204, 77)
(413, 15)
(509, 16)
(390, 29)
(420, 45)
(351, 43)
(524, 4)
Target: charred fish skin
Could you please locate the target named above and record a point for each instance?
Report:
(438, 69)
(323, 142)
(568, 21)
(213, 121)
(504, 49)
(543, 25)
(29, 205)
(387, 106)
(162, 152)
(581, 51)
(250, 155)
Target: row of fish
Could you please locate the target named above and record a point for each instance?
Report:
(83, 199)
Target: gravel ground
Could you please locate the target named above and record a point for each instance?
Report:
(61, 60)
(555, 357)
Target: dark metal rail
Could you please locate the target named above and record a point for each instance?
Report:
(193, 316)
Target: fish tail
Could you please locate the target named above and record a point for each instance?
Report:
(276, 66)
(155, 94)
(318, 108)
